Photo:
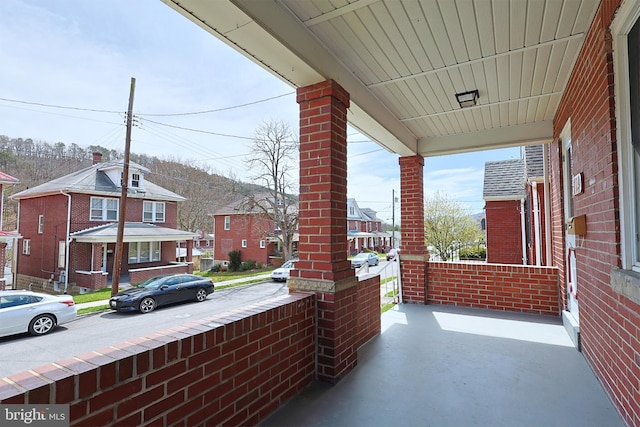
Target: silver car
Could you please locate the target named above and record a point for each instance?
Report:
(33, 312)
(363, 258)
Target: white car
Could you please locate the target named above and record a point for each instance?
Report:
(33, 312)
(281, 274)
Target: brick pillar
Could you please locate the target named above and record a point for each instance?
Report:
(323, 267)
(3, 258)
(413, 252)
(96, 262)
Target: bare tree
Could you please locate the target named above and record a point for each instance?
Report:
(274, 151)
(447, 228)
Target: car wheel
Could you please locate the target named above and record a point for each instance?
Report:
(42, 324)
(147, 305)
(201, 294)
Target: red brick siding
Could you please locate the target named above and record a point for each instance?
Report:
(140, 274)
(323, 183)
(413, 271)
(229, 369)
(504, 287)
(368, 305)
(504, 232)
(609, 322)
(337, 334)
(251, 227)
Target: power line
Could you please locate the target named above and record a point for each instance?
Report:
(217, 109)
(61, 106)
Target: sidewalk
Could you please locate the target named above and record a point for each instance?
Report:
(105, 302)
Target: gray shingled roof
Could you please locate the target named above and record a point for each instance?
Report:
(504, 180)
(92, 180)
(133, 232)
(533, 161)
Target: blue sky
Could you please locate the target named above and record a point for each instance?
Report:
(83, 54)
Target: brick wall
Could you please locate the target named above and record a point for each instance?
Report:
(139, 275)
(229, 369)
(520, 288)
(609, 321)
(504, 235)
(368, 306)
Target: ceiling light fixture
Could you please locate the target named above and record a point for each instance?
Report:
(468, 99)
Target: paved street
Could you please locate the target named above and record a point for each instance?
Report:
(94, 331)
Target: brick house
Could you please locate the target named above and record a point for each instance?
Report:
(5, 236)
(69, 227)
(515, 209)
(243, 226)
(364, 229)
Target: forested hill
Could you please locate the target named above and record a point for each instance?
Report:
(36, 162)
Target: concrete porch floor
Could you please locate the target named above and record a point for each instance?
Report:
(450, 366)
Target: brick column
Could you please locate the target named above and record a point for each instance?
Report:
(323, 267)
(96, 262)
(413, 252)
(3, 258)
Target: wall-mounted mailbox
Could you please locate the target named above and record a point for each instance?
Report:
(577, 225)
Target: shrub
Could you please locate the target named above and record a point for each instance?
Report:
(248, 265)
(235, 260)
(473, 254)
(215, 268)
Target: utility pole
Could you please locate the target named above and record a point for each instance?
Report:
(117, 261)
(393, 218)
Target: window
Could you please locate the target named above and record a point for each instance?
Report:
(263, 244)
(40, 224)
(26, 247)
(626, 33)
(244, 243)
(103, 209)
(227, 223)
(153, 211)
(352, 211)
(135, 180)
(144, 252)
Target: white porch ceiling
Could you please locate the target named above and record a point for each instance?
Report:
(404, 61)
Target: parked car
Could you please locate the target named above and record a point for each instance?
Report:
(281, 274)
(364, 258)
(162, 290)
(392, 254)
(34, 312)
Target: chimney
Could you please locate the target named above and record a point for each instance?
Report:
(97, 157)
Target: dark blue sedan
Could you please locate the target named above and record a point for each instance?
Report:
(162, 290)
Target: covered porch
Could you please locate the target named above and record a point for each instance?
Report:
(430, 78)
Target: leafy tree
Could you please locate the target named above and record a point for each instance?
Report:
(448, 228)
(274, 152)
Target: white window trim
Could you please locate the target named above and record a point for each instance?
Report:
(26, 247)
(624, 21)
(244, 243)
(104, 209)
(40, 224)
(263, 244)
(154, 211)
(227, 222)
